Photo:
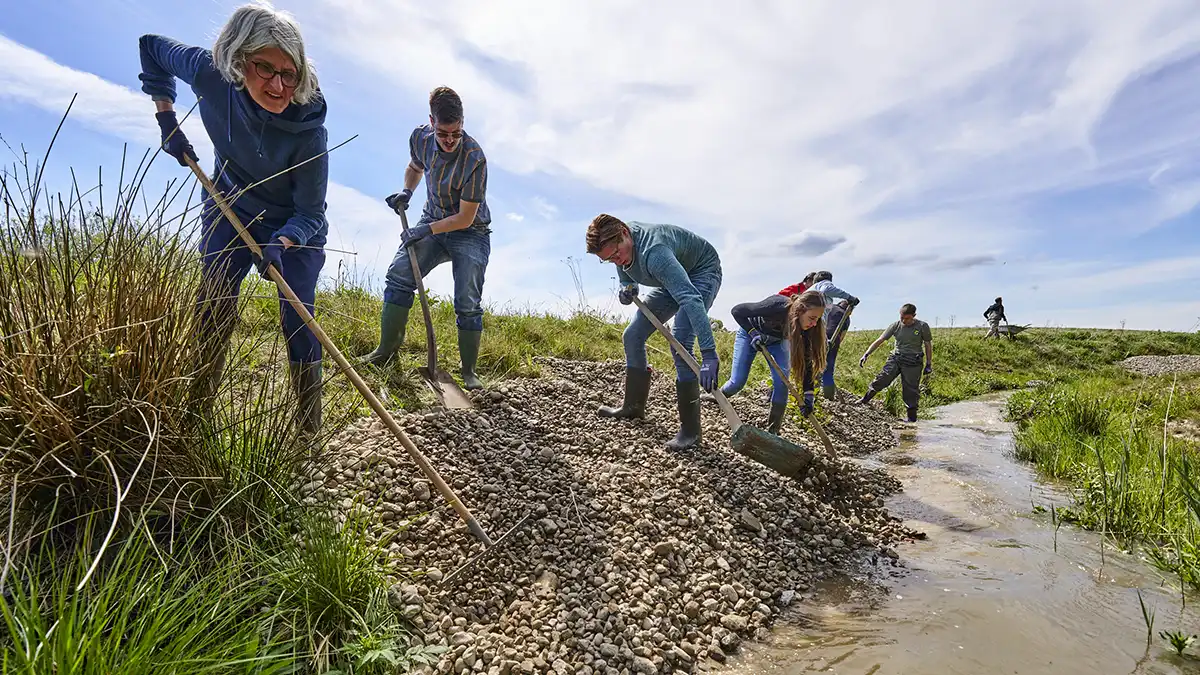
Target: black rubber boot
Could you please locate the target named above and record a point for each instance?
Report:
(468, 352)
(867, 396)
(829, 391)
(775, 421)
(687, 398)
(308, 385)
(392, 323)
(637, 390)
(912, 414)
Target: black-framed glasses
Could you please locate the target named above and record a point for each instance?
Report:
(266, 71)
(448, 135)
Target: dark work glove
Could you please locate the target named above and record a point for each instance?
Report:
(627, 294)
(807, 408)
(272, 254)
(709, 368)
(174, 143)
(928, 368)
(399, 201)
(863, 361)
(415, 234)
(757, 339)
(853, 301)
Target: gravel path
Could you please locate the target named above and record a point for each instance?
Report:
(1163, 365)
(637, 560)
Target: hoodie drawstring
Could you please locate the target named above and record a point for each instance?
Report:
(261, 131)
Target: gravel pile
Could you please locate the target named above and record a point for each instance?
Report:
(1163, 365)
(636, 559)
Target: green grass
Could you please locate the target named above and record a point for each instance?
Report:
(1115, 439)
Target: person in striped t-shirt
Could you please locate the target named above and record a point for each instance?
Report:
(454, 227)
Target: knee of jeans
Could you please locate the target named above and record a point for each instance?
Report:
(683, 372)
(633, 338)
(473, 321)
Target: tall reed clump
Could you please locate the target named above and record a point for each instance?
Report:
(151, 524)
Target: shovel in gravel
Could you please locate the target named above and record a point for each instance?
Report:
(439, 381)
(780, 454)
(799, 401)
(356, 379)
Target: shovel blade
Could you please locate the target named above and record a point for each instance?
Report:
(445, 388)
(780, 454)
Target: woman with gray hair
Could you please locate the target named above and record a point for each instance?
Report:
(262, 109)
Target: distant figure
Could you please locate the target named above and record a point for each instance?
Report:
(994, 315)
(913, 337)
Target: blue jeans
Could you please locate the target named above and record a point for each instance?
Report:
(831, 357)
(743, 358)
(663, 306)
(224, 262)
(467, 250)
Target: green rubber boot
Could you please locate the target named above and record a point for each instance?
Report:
(687, 398)
(392, 323)
(637, 390)
(468, 351)
(775, 420)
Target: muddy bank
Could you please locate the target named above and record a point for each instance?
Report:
(637, 559)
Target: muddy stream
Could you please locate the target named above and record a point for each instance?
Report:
(992, 589)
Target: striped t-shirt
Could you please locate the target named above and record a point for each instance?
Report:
(450, 177)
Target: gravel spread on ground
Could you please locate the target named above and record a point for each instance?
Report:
(635, 559)
(1163, 365)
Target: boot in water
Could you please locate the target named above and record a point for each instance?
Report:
(687, 398)
(912, 414)
(637, 390)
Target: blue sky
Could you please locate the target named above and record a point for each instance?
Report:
(928, 152)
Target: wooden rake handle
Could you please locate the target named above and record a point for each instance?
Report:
(730, 414)
(799, 400)
(355, 378)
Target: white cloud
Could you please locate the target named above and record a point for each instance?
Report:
(515, 217)
(544, 208)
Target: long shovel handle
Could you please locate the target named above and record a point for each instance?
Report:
(430, 340)
(357, 380)
(730, 414)
(799, 401)
(838, 331)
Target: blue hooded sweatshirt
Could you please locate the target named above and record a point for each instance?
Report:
(251, 143)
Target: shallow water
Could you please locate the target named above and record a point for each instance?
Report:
(992, 589)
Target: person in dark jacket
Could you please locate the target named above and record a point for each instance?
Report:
(994, 315)
(260, 104)
(762, 323)
(684, 270)
(774, 323)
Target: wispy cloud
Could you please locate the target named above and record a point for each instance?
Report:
(810, 244)
(515, 217)
(544, 208)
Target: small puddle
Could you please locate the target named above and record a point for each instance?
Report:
(993, 589)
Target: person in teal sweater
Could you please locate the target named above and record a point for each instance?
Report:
(685, 272)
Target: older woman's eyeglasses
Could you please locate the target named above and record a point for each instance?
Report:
(266, 71)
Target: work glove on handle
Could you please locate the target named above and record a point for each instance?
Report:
(174, 143)
(399, 201)
(709, 367)
(809, 400)
(853, 301)
(415, 234)
(627, 294)
(272, 254)
(757, 339)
